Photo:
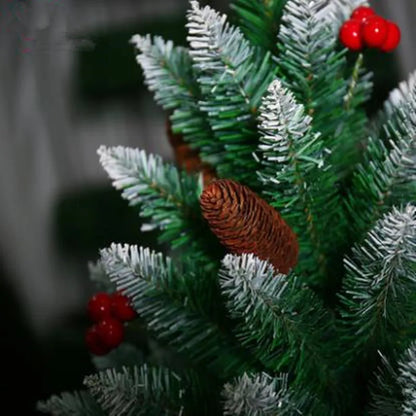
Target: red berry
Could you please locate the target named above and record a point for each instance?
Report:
(362, 13)
(121, 307)
(110, 332)
(350, 35)
(374, 31)
(99, 307)
(393, 38)
(94, 343)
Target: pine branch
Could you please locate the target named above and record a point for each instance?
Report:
(352, 128)
(311, 63)
(282, 322)
(232, 76)
(283, 121)
(353, 83)
(381, 278)
(71, 404)
(138, 391)
(386, 394)
(167, 70)
(257, 395)
(318, 74)
(387, 175)
(396, 108)
(384, 179)
(165, 195)
(400, 95)
(407, 381)
(296, 179)
(259, 20)
(263, 395)
(169, 74)
(158, 296)
(394, 392)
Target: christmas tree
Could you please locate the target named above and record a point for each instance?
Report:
(288, 285)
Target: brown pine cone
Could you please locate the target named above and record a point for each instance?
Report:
(245, 223)
(188, 158)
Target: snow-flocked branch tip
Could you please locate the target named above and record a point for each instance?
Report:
(407, 380)
(389, 244)
(134, 171)
(279, 110)
(322, 12)
(255, 395)
(401, 94)
(215, 45)
(284, 128)
(398, 235)
(203, 22)
(206, 14)
(242, 271)
(124, 165)
(77, 403)
(382, 269)
(251, 286)
(140, 42)
(308, 18)
(144, 44)
(126, 264)
(136, 390)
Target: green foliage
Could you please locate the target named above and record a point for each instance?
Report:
(169, 74)
(378, 302)
(395, 106)
(159, 295)
(71, 404)
(219, 121)
(386, 396)
(137, 391)
(233, 76)
(165, 195)
(353, 122)
(149, 390)
(168, 66)
(395, 391)
(387, 174)
(312, 64)
(259, 20)
(407, 381)
(281, 321)
(296, 177)
(318, 75)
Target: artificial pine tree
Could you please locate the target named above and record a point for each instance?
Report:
(289, 286)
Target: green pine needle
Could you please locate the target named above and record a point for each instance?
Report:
(378, 306)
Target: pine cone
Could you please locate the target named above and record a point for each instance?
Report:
(245, 223)
(188, 158)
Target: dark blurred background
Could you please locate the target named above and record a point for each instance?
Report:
(69, 83)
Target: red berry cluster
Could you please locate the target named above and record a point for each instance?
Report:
(365, 28)
(108, 312)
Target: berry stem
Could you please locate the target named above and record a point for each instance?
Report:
(354, 80)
